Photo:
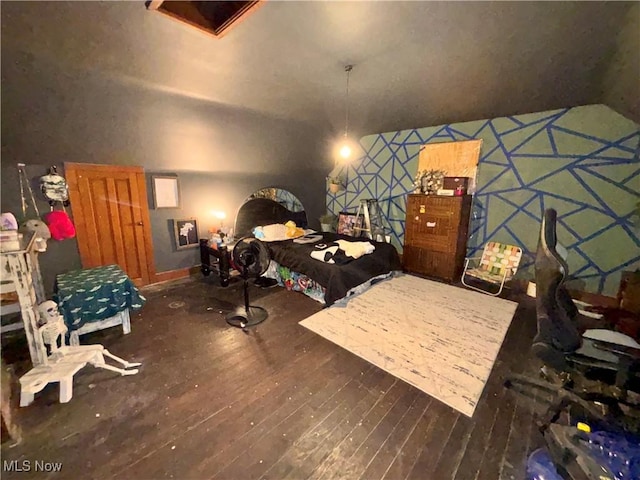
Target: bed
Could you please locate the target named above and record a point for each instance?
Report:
(292, 265)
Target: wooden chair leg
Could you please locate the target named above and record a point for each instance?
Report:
(66, 389)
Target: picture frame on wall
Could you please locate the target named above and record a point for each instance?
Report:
(166, 191)
(186, 233)
(348, 222)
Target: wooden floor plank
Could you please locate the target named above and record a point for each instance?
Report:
(402, 462)
(211, 401)
(455, 447)
(338, 460)
(491, 461)
(392, 445)
(241, 419)
(271, 446)
(366, 452)
(310, 450)
(233, 399)
(442, 420)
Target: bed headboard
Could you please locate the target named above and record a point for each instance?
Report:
(263, 211)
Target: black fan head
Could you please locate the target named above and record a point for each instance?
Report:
(251, 257)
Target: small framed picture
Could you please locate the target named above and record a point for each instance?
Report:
(348, 223)
(186, 232)
(166, 191)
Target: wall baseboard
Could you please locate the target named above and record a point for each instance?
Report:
(176, 274)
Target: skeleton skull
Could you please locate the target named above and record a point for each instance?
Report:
(52, 325)
(48, 312)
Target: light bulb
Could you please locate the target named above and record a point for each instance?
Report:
(345, 151)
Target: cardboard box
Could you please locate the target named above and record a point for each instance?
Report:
(452, 183)
(459, 185)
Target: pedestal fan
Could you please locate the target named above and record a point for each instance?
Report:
(251, 258)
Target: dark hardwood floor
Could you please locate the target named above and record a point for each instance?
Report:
(278, 403)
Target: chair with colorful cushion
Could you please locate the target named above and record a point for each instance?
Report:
(499, 262)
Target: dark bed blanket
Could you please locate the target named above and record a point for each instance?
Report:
(336, 279)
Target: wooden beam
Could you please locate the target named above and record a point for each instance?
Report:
(154, 4)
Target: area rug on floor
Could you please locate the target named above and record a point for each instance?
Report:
(441, 339)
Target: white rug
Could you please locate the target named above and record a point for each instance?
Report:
(441, 339)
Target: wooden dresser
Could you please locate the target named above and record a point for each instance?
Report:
(435, 238)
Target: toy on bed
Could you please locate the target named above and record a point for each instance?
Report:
(342, 251)
(277, 232)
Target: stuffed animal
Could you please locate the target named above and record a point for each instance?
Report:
(258, 232)
(60, 225)
(293, 231)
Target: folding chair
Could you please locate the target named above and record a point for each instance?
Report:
(499, 262)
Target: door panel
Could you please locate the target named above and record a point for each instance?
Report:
(109, 205)
(127, 224)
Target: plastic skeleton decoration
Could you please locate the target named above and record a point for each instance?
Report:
(53, 328)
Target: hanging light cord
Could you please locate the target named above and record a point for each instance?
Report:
(347, 69)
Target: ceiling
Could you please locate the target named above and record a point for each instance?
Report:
(416, 63)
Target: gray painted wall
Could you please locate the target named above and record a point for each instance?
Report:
(54, 113)
(416, 63)
(621, 84)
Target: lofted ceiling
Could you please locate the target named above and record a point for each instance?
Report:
(416, 63)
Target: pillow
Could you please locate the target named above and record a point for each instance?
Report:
(277, 232)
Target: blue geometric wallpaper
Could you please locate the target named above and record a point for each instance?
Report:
(583, 161)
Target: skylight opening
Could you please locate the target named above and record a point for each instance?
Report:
(212, 17)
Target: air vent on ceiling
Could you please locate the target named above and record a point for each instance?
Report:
(212, 17)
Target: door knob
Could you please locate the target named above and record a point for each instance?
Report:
(140, 223)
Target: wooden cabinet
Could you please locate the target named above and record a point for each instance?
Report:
(435, 237)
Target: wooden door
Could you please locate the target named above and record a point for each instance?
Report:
(111, 215)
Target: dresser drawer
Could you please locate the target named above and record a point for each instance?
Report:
(429, 262)
(432, 229)
(417, 207)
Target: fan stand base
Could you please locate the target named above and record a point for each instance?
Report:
(241, 318)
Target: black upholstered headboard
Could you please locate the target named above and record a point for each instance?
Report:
(263, 211)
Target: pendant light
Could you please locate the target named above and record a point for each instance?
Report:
(345, 149)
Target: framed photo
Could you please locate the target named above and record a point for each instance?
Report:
(186, 232)
(166, 192)
(347, 224)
